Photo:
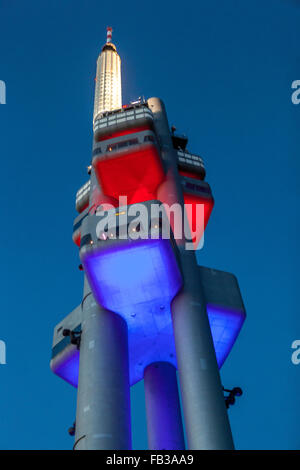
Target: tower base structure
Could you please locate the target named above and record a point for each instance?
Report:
(148, 308)
(164, 423)
(225, 311)
(103, 397)
(205, 415)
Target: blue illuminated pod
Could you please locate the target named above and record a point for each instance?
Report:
(67, 366)
(225, 325)
(225, 309)
(150, 331)
(125, 277)
(138, 280)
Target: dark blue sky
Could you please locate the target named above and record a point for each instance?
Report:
(224, 70)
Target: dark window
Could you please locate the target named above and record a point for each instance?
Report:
(148, 138)
(122, 144)
(86, 239)
(78, 224)
(119, 145)
(133, 141)
(111, 147)
(196, 187)
(179, 142)
(204, 189)
(97, 151)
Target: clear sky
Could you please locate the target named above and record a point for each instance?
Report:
(224, 71)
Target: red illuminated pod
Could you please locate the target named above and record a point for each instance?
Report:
(190, 201)
(137, 173)
(132, 173)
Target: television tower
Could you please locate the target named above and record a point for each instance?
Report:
(148, 309)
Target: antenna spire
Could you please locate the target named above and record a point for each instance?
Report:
(109, 34)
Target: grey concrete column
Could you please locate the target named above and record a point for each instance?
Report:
(103, 397)
(206, 420)
(205, 414)
(164, 423)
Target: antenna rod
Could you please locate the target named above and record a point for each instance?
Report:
(109, 34)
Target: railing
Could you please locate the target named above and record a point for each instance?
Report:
(82, 195)
(124, 115)
(187, 158)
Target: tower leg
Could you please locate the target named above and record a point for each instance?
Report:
(206, 420)
(164, 423)
(103, 398)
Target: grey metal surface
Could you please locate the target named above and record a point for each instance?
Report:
(103, 402)
(135, 116)
(103, 397)
(70, 322)
(221, 288)
(205, 414)
(164, 423)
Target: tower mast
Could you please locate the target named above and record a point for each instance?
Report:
(108, 90)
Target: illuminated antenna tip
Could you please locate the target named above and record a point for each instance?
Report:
(109, 33)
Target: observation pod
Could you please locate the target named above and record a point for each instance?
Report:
(133, 271)
(81, 204)
(82, 197)
(98, 200)
(65, 355)
(197, 193)
(122, 122)
(150, 335)
(140, 248)
(190, 165)
(195, 190)
(126, 156)
(76, 236)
